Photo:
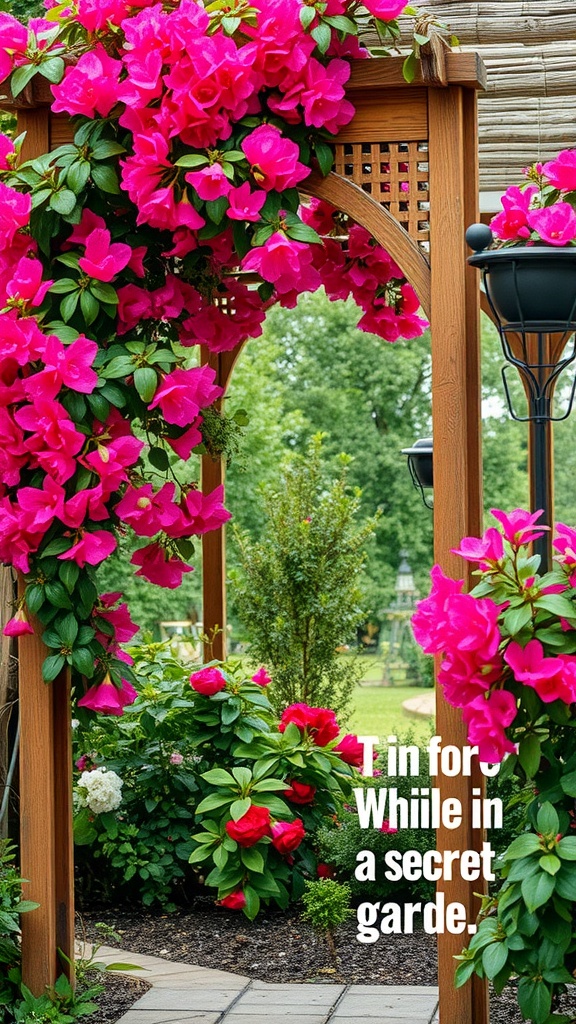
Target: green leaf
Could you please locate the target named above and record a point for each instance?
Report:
(83, 661)
(219, 777)
(568, 783)
(534, 1000)
(192, 160)
(252, 859)
(522, 846)
(68, 573)
(322, 36)
(516, 618)
(105, 148)
(307, 15)
(529, 754)
(77, 175)
(106, 179)
(342, 24)
(547, 820)
(52, 69)
(566, 848)
(252, 903)
(566, 883)
(537, 889)
(90, 307)
(63, 286)
(239, 808)
(34, 598)
(145, 382)
(409, 68)
(493, 958)
(104, 292)
(464, 971)
(216, 208)
(68, 629)
(52, 666)
(550, 863)
(63, 201)
(20, 78)
(158, 457)
(68, 306)
(303, 233)
(56, 594)
(325, 157)
(557, 605)
(212, 802)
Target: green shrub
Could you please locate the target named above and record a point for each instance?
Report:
(297, 593)
(326, 907)
(189, 762)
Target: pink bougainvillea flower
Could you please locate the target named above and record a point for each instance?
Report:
(548, 676)
(245, 204)
(190, 439)
(465, 675)
(90, 548)
(261, 677)
(284, 263)
(118, 618)
(68, 365)
(43, 504)
(486, 718)
(146, 511)
(14, 212)
(89, 222)
(18, 625)
(107, 698)
(273, 159)
(432, 616)
(287, 835)
(565, 543)
(90, 86)
(519, 525)
(199, 513)
(561, 172)
(208, 681)
(54, 440)
(385, 10)
(318, 723)
(209, 182)
(183, 393)
(387, 829)
(13, 41)
(158, 567)
(84, 505)
(323, 96)
(233, 901)
(555, 224)
(512, 223)
(26, 285)
(104, 259)
(487, 550)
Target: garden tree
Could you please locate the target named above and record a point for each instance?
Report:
(298, 593)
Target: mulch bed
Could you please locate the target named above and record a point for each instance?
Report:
(275, 948)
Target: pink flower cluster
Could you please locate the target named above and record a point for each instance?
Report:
(535, 213)
(476, 635)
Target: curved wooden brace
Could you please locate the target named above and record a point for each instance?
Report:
(362, 208)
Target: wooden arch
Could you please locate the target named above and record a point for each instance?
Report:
(423, 136)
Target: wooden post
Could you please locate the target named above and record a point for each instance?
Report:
(457, 459)
(46, 838)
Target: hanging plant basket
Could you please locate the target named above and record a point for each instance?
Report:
(531, 287)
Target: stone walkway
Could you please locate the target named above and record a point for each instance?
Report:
(183, 994)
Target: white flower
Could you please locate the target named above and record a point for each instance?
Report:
(100, 790)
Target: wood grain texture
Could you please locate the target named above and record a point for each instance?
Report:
(351, 199)
(213, 543)
(455, 401)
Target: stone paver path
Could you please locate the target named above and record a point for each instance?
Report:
(184, 994)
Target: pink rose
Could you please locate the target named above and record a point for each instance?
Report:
(251, 827)
(300, 792)
(208, 681)
(318, 723)
(233, 901)
(287, 835)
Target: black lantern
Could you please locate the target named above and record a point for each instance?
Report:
(531, 291)
(421, 466)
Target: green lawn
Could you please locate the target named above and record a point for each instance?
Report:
(378, 712)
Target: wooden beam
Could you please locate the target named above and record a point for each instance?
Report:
(457, 460)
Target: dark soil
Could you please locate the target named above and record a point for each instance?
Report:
(276, 948)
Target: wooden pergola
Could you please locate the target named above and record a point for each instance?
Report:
(431, 131)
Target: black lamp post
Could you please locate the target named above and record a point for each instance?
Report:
(531, 291)
(421, 466)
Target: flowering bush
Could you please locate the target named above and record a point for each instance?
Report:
(126, 248)
(257, 789)
(509, 662)
(541, 211)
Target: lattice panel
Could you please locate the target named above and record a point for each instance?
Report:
(395, 174)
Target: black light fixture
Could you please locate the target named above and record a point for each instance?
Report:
(531, 291)
(421, 466)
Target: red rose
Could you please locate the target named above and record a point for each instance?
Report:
(319, 723)
(251, 827)
(324, 870)
(287, 835)
(300, 792)
(208, 681)
(351, 751)
(234, 900)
